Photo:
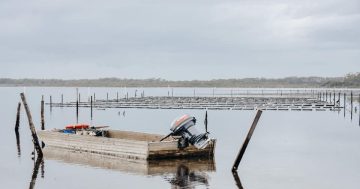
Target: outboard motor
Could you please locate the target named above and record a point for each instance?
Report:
(185, 128)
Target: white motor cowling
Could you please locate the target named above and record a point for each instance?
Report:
(184, 127)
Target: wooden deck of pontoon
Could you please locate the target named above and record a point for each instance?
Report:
(124, 144)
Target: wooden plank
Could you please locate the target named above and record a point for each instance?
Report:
(42, 114)
(103, 150)
(103, 145)
(17, 123)
(247, 140)
(31, 125)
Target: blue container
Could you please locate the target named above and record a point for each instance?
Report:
(69, 131)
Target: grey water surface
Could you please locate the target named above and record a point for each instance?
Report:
(289, 149)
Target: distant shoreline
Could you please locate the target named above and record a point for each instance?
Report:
(349, 81)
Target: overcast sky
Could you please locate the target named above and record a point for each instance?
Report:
(178, 40)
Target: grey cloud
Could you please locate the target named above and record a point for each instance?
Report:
(206, 39)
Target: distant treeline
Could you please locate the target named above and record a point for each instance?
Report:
(350, 80)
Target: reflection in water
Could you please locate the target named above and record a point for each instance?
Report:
(184, 177)
(39, 161)
(18, 143)
(43, 169)
(139, 167)
(352, 109)
(178, 172)
(237, 179)
(358, 109)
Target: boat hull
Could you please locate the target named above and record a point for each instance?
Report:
(125, 144)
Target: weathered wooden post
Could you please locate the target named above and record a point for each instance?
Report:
(351, 104)
(17, 122)
(32, 127)
(326, 96)
(77, 110)
(206, 122)
(237, 180)
(94, 97)
(334, 98)
(351, 100)
(79, 98)
(330, 97)
(91, 107)
(42, 113)
(246, 142)
(344, 103)
(50, 104)
(62, 99)
(18, 143)
(117, 96)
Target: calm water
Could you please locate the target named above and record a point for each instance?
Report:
(288, 149)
